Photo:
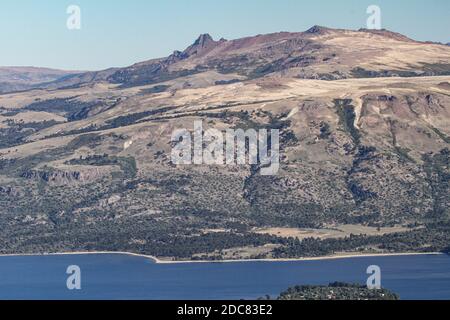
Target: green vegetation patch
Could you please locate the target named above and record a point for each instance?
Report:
(336, 291)
(347, 116)
(437, 169)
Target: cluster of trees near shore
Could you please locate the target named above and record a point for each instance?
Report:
(433, 238)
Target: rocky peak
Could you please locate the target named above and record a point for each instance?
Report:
(203, 43)
(203, 40)
(317, 30)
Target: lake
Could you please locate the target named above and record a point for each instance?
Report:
(116, 276)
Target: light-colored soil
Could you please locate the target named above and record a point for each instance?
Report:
(339, 231)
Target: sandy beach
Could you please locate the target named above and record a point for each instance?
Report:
(161, 261)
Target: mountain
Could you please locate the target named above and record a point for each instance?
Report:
(21, 78)
(318, 53)
(364, 118)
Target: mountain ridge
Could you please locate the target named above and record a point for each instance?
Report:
(295, 54)
(16, 78)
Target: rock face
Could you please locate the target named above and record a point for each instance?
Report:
(63, 177)
(317, 30)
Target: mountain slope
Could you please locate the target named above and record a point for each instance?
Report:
(22, 78)
(88, 167)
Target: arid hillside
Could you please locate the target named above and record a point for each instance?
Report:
(23, 78)
(364, 118)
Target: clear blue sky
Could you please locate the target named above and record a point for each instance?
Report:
(122, 32)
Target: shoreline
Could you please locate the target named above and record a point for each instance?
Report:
(159, 261)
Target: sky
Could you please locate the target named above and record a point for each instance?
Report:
(117, 33)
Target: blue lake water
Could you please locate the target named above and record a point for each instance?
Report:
(115, 276)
